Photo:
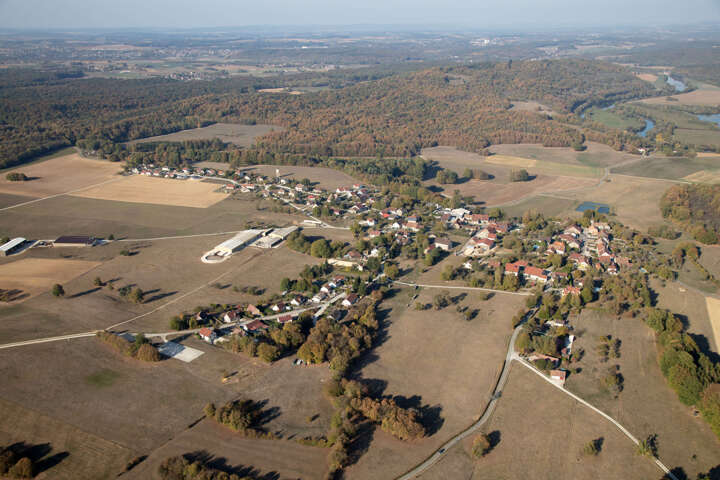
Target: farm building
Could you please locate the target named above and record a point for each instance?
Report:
(232, 245)
(11, 246)
(74, 241)
(283, 233)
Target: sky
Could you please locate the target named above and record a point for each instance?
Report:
(541, 14)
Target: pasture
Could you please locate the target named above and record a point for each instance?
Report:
(669, 168)
(157, 191)
(277, 459)
(445, 351)
(646, 405)
(60, 175)
(34, 276)
(613, 119)
(542, 433)
(241, 135)
(596, 154)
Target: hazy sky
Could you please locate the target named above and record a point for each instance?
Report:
(463, 13)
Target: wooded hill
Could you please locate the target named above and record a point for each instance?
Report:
(696, 208)
(466, 106)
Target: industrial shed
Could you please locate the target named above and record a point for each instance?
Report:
(74, 241)
(232, 245)
(11, 246)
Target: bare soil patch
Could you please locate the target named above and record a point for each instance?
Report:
(36, 275)
(241, 135)
(648, 77)
(454, 366)
(60, 175)
(159, 191)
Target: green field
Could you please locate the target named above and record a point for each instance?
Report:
(667, 168)
(613, 120)
(698, 136)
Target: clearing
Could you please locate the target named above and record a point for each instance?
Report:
(445, 351)
(59, 175)
(669, 168)
(646, 405)
(241, 135)
(542, 433)
(158, 191)
(37, 275)
(531, 106)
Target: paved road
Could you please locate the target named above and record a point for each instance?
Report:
(48, 340)
(452, 287)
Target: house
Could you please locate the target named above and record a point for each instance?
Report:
(253, 310)
(579, 259)
(231, 316)
(254, 326)
(536, 274)
(297, 301)
(326, 288)
(558, 376)
(336, 281)
(350, 300)
(373, 233)
(571, 241)
(279, 307)
(512, 269)
(319, 297)
(443, 243)
(569, 290)
(283, 319)
(353, 255)
(572, 230)
(557, 247)
(208, 334)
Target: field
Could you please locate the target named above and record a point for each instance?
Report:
(37, 275)
(596, 155)
(713, 308)
(498, 194)
(157, 191)
(241, 135)
(531, 106)
(634, 200)
(70, 450)
(698, 136)
(648, 77)
(668, 168)
(706, 94)
(646, 404)
(546, 204)
(60, 175)
(445, 351)
(322, 177)
(545, 167)
(277, 459)
(704, 176)
(541, 436)
(614, 120)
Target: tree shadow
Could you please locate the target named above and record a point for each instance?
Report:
(712, 474)
(12, 295)
(430, 415)
(704, 346)
(159, 296)
(86, 292)
(361, 442)
(221, 464)
(679, 474)
(494, 439)
(39, 454)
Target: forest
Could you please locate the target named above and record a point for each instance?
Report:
(372, 114)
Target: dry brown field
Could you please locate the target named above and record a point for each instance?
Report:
(648, 77)
(531, 106)
(710, 258)
(713, 310)
(454, 365)
(646, 405)
(635, 200)
(73, 453)
(60, 175)
(497, 194)
(706, 94)
(326, 178)
(596, 154)
(75, 215)
(542, 433)
(157, 191)
(276, 459)
(241, 135)
(37, 275)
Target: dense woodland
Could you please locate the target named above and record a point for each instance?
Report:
(387, 115)
(696, 208)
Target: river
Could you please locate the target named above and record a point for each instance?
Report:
(679, 86)
(649, 125)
